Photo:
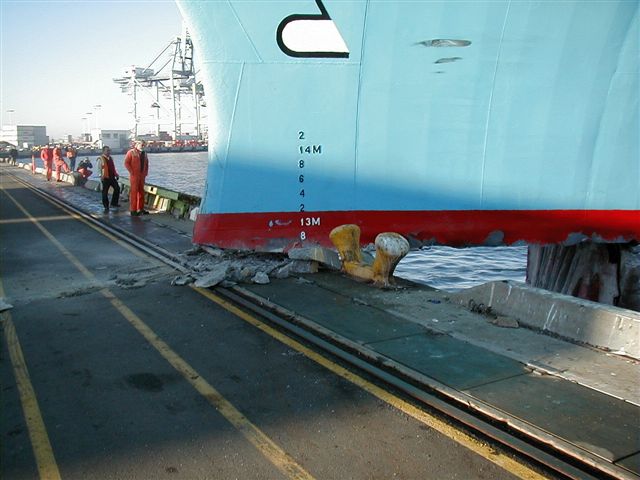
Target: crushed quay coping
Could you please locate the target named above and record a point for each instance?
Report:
(602, 326)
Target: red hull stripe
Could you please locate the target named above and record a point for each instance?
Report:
(283, 230)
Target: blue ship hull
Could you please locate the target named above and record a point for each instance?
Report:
(450, 122)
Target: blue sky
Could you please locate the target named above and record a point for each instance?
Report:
(58, 58)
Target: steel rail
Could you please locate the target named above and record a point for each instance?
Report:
(471, 416)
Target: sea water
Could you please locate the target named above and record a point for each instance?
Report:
(445, 268)
(180, 171)
(454, 269)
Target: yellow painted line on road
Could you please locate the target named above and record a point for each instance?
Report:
(71, 214)
(277, 456)
(69, 256)
(507, 463)
(284, 462)
(42, 451)
(54, 218)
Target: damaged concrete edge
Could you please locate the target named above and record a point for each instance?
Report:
(228, 270)
(601, 326)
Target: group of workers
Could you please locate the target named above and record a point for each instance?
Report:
(136, 162)
(51, 155)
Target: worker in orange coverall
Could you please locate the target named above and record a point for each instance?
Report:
(60, 163)
(46, 154)
(137, 163)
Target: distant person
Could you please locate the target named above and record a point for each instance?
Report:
(60, 163)
(13, 156)
(46, 154)
(110, 178)
(72, 153)
(99, 164)
(137, 163)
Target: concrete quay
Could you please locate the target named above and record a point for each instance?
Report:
(534, 369)
(603, 326)
(26, 154)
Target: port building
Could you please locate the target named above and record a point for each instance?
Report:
(115, 139)
(24, 136)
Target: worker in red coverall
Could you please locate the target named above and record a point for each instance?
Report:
(137, 163)
(46, 154)
(60, 163)
(83, 169)
(110, 177)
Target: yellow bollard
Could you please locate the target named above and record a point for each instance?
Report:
(346, 239)
(390, 249)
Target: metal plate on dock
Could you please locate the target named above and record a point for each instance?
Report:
(337, 281)
(593, 421)
(452, 362)
(339, 313)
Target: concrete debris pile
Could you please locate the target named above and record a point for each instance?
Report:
(136, 277)
(208, 267)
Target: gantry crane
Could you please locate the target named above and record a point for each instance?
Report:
(167, 87)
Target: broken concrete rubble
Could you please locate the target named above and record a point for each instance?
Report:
(505, 322)
(324, 256)
(260, 278)
(296, 266)
(211, 266)
(212, 277)
(216, 252)
(182, 280)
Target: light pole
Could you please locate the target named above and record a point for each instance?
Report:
(156, 105)
(97, 117)
(88, 114)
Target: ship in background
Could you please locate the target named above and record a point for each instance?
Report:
(458, 123)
